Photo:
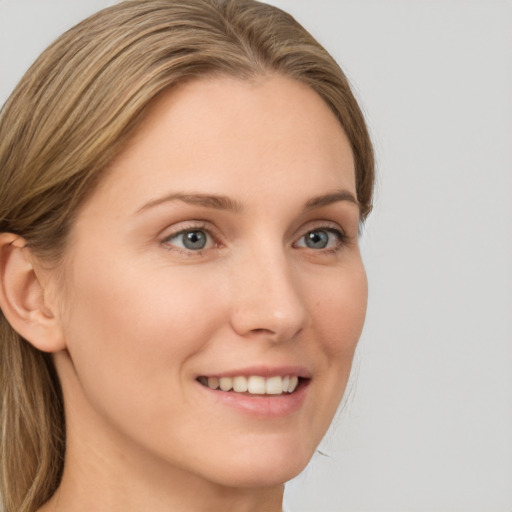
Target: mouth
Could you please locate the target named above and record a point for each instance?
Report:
(263, 392)
(256, 385)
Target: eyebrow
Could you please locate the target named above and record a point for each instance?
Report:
(206, 200)
(219, 202)
(327, 199)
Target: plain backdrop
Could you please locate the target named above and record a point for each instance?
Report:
(427, 423)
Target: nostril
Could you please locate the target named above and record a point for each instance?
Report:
(262, 331)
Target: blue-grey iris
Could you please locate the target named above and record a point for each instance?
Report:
(194, 240)
(317, 239)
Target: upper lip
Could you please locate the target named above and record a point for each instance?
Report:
(262, 371)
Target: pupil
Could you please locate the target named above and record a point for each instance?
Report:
(317, 239)
(194, 240)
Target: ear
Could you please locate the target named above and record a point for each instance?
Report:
(23, 298)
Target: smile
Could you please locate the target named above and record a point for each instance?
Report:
(253, 385)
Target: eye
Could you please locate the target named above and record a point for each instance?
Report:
(322, 238)
(190, 239)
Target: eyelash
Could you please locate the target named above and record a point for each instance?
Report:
(188, 229)
(341, 236)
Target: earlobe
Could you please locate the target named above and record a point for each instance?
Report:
(23, 299)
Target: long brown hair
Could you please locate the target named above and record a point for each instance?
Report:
(70, 115)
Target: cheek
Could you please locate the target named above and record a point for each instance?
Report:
(140, 299)
(338, 321)
(340, 313)
(132, 328)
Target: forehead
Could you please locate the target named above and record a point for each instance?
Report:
(236, 137)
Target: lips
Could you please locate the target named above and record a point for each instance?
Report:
(253, 384)
(261, 391)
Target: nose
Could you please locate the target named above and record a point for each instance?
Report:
(267, 300)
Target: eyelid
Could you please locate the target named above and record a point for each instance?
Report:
(184, 228)
(322, 224)
(330, 227)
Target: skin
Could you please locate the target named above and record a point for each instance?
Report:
(142, 316)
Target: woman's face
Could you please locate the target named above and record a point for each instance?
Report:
(221, 246)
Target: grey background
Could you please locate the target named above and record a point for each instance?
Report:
(427, 424)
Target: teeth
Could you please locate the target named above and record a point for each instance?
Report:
(240, 384)
(255, 384)
(293, 384)
(213, 382)
(226, 383)
(274, 386)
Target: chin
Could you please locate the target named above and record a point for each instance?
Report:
(256, 477)
(265, 468)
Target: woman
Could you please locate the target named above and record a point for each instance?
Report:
(182, 289)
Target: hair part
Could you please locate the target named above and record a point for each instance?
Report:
(72, 113)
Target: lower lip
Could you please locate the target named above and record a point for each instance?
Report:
(263, 406)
